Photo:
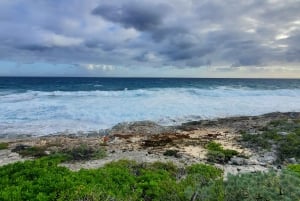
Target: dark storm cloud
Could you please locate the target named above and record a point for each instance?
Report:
(188, 53)
(33, 48)
(141, 16)
(179, 33)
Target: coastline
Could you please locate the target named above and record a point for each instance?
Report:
(146, 141)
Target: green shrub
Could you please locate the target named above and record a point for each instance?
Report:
(201, 181)
(83, 194)
(83, 152)
(213, 146)
(289, 147)
(294, 168)
(168, 166)
(172, 152)
(217, 154)
(33, 180)
(287, 143)
(229, 153)
(29, 151)
(207, 172)
(3, 145)
(154, 184)
(262, 186)
(43, 179)
(257, 140)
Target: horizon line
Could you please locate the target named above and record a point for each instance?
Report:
(145, 77)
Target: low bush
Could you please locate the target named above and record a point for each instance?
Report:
(200, 182)
(3, 145)
(77, 153)
(213, 146)
(217, 154)
(168, 166)
(29, 151)
(42, 179)
(83, 152)
(205, 172)
(262, 186)
(295, 168)
(172, 152)
(289, 147)
(285, 135)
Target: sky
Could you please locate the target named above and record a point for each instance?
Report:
(150, 38)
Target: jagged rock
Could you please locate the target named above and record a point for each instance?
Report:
(268, 158)
(252, 161)
(238, 161)
(139, 127)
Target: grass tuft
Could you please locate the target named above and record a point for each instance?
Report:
(3, 145)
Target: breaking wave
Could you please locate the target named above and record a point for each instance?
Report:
(42, 113)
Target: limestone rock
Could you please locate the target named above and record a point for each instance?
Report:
(238, 161)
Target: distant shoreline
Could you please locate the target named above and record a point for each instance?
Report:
(103, 132)
(117, 77)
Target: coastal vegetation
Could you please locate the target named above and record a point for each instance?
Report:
(3, 145)
(172, 152)
(43, 179)
(30, 151)
(283, 135)
(217, 154)
(82, 152)
(265, 167)
(77, 153)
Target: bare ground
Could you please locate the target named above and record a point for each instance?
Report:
(147, 142)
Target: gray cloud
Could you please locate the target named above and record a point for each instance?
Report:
(137, 14)
(131, 33)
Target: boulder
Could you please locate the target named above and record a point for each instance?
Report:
(238, 161)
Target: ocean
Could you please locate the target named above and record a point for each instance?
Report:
(50, 105)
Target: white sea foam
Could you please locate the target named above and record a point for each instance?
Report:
(41, 113)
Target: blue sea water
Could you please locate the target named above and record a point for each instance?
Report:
(48, 105)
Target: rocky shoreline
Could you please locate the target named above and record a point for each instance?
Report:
(183, 145)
